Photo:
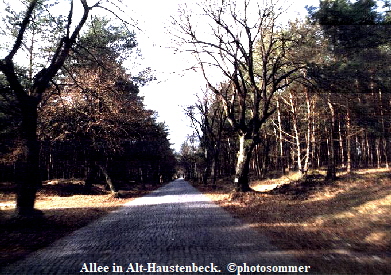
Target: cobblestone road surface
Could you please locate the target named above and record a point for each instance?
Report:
(174, 225)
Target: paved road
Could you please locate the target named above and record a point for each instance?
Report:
(174, 225)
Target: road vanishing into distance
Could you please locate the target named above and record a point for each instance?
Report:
(173, 230)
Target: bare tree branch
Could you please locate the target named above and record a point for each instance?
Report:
(22, 30)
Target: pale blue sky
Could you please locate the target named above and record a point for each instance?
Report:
(175, 87)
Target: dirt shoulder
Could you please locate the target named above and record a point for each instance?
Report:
(337, 228)
(65, 209)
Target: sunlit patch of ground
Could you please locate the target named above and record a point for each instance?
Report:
(342, 227)
(65, 209)
(270, 184)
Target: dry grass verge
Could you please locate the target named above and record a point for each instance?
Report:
(342, 227)
(65, 207)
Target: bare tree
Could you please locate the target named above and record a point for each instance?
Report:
(29, 95)
(208, 119)
(245, 44)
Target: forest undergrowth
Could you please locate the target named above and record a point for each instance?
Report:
(66, 208)
(341, 227)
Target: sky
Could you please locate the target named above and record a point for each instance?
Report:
(176, 87)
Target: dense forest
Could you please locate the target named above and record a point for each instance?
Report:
(69, 107)
(311, 95)
(287, 166)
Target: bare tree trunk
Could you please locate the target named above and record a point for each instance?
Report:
(348, 141)
(341, 147)
(384, 136)
(28, 172)
(331, 167)
(359, 152)
(281, 159)
(385, 150)
(369, 151)
(309, 132)
(378, 155)
(243, 165)
(208, 168)
(216, 151)
(296, 134)
(216, 161)
(315, 158)
(257, 161)
(109, 182)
